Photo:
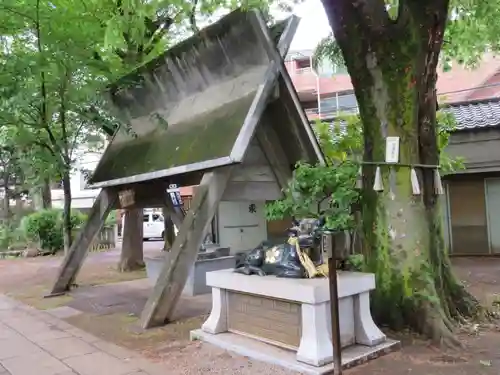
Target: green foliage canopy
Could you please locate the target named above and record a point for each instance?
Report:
(331, 189)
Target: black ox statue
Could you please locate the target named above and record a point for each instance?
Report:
(284, 260)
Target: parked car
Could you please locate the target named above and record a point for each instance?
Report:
(153, 225)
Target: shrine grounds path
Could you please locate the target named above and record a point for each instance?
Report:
(93, 331)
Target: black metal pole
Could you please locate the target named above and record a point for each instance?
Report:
(334, 310)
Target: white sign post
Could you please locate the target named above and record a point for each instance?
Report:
(392, 150)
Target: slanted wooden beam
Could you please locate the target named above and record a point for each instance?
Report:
(176, 214)
(73, 261)
(275, 54)
(173, 216)
(276, 157)
(163, 300)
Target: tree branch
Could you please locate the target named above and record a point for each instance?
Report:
(192, 17)
(43, 88)
(62, 116)
(14, 11)
(357, 24)
(45, 146)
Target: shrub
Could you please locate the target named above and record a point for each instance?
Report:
(77, 219)
(4, 237)
(46, 227)
(111, 219)
(10, 237)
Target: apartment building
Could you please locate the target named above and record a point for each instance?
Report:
(327, 90)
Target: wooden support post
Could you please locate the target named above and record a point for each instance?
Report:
(73, 261)
(132, 253)
(173, 216)
(328, 246)
(162, 302)
(334, 311)
(176, 213)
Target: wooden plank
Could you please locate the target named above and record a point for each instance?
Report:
(274, 53)
(162, 301)
(252, 191)
(265, 319)
(254, 155)
(255, 179)
(73, 261)
(271, 146)
(146, 195)
(176, 214)
(254, 173)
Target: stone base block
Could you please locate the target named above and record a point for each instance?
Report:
(260, 351)
(196, 283)
(293, 314)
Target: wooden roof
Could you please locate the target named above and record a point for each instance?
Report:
(196, 107)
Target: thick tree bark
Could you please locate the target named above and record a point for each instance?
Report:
(6, 211)
(392, 64)
(132, 255)
(46, 194)
(67, 230)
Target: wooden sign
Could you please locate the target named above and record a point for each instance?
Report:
(327, 244)
(126, 198)
(392, 150)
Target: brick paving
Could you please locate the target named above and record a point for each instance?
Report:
(35, 342)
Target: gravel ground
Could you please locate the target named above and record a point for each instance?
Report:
(203, 358)
(171, 345)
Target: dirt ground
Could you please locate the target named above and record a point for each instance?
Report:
(29, 279)
(107, 304)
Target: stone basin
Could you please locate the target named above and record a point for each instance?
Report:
(212, 259)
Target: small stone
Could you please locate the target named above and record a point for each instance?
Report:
(30, 253)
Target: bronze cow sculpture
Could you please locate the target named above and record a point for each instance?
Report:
(286, 260)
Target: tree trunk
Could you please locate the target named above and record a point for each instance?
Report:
(67, 230)
(392, 64)
(132, 244)
(46, 194)
(6, 212)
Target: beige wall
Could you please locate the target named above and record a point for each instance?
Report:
(469, 231)
(479, 149)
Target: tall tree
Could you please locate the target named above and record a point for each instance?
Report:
(49, 51)
(392, 50)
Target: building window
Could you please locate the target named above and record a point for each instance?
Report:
(339, 104)
(347, 103)
(329, 105)
(303, 65)
(157, 218)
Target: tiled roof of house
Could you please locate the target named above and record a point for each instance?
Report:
(475, 115)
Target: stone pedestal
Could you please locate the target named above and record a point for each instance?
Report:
(196, 283)
(292, 314)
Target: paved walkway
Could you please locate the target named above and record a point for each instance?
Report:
(35, 342)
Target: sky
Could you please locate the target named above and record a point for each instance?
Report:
(313, 25)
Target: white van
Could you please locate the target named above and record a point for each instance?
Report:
(152, 225)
